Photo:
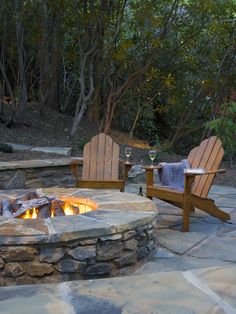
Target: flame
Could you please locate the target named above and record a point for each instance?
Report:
(34, 213)
(27, 214)
(30, 214)
(53, 212)
(72, 206)
(68, 209)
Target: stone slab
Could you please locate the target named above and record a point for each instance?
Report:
(37, 163)
(65, 151)
(219, 247)
(179, 242)
(19, 147)
(154, 293)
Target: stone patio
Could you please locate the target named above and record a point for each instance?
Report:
(191, 272)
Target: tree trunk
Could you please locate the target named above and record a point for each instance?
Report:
(21, 63)
(43, 57)
(116, 94)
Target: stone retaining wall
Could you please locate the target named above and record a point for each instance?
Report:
(38, 173)
(37, 178)
(89, 258)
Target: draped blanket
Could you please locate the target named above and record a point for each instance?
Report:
(172, 174)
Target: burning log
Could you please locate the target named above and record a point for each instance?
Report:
(33, 203)
(45, 211)
(29, 196)
(6, 209)
(58, 208)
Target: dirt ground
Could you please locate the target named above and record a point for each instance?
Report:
(53, 130)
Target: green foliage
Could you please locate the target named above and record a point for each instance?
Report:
(225, 128)
(4, 148)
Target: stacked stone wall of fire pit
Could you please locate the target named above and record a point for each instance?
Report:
(91, 258)
(109, 241)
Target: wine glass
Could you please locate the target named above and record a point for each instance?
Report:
(152, 155)
(128, 151)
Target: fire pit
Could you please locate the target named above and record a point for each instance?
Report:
(115, 235)
(32, 206)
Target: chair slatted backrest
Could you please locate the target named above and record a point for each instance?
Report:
(207, 155)
(101, 159)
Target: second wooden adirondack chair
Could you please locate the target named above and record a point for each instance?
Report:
(208, 156)
(101, 165)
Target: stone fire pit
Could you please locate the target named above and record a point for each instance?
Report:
(118, 234)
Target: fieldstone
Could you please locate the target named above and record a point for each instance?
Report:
(141, 238)
(109, 250)
(142, 252)
(18, 253)
(129, 234)
(26, 280)
(150, 234)
(141, 229)
(131, 245)
(51, 255)
(114, 237)
(36, 269)
(88, 241)
(135, 171)
(98, 270)
(17, 181)
(126, 259)
(151, 246)
(14, 270)
(1, 263)
(83, 253)
(69, 266)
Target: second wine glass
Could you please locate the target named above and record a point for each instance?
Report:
(128, 151)
(152, 155)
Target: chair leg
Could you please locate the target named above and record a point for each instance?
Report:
(187, 206)
(149, 181)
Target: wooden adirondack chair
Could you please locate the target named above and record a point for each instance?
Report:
(196, 186)
(101, 165)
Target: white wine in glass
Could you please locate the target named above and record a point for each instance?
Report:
(128, 151)
(152, 155)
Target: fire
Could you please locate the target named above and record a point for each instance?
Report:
(68, 209)
(71, 206)
(31, 214)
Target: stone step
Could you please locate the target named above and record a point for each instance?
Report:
(65, 151)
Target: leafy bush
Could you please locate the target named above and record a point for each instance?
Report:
(225, 128)
(4, 148)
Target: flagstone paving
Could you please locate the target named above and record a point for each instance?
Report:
(191, 272)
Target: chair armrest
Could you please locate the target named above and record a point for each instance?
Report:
(210, 171)
(74, 166)
(158, 167)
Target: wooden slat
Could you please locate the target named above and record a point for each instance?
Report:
(108, 158)
(101, 156)
(192, 155)
(115, 161)
(93, 158)
(210, 178)
(86, 162)
(202, 163)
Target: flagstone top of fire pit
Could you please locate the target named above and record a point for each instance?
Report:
(116, 212)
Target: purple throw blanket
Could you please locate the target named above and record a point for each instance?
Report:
(172, 174)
